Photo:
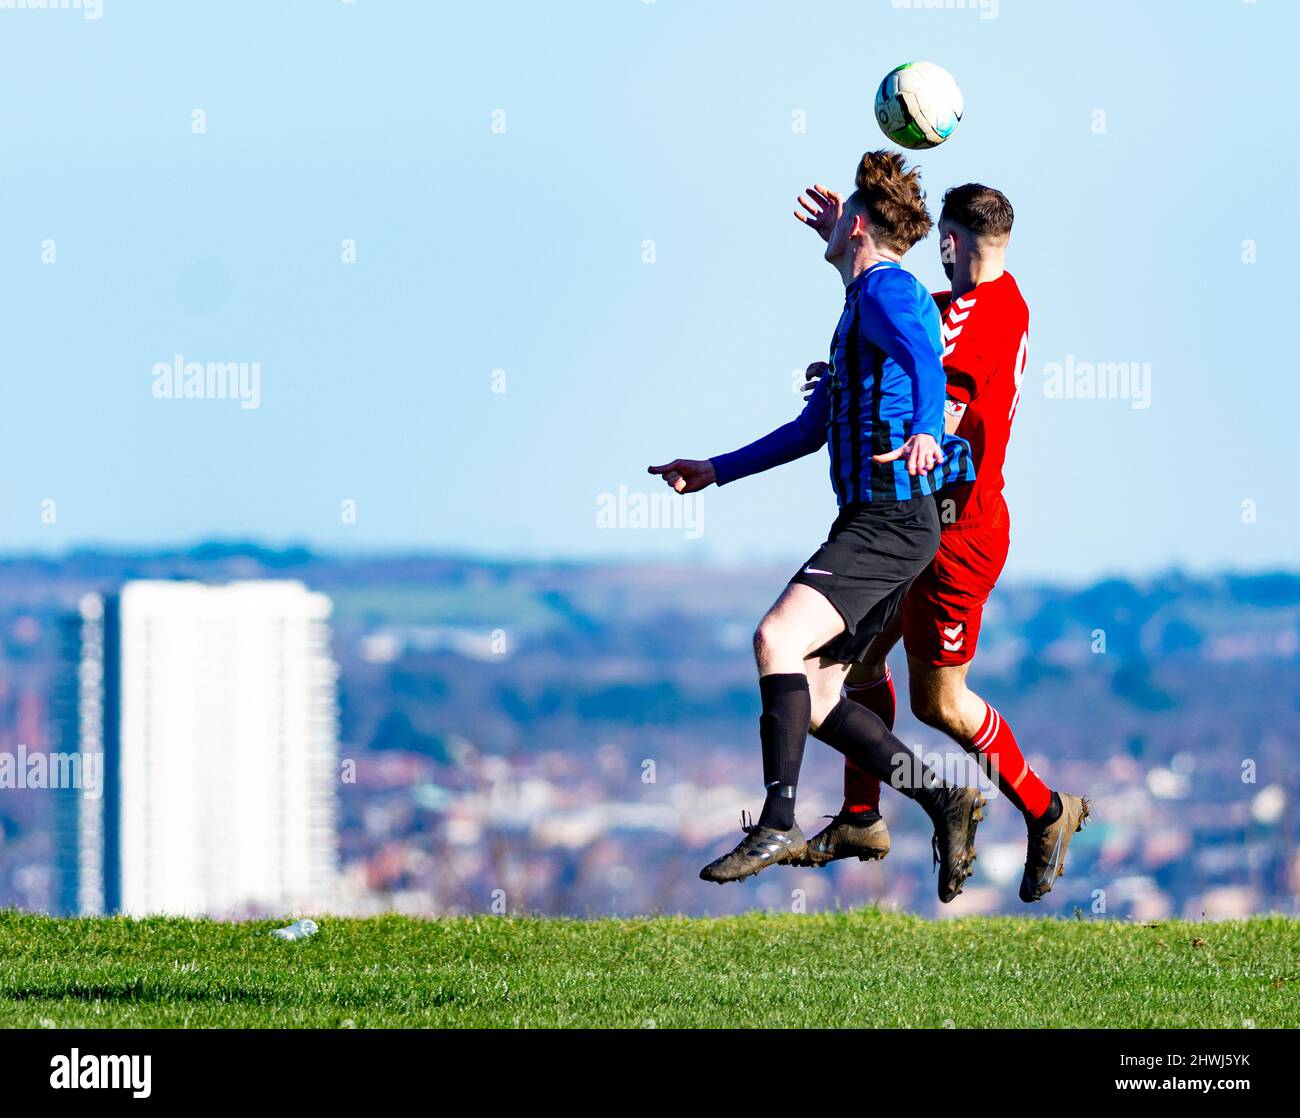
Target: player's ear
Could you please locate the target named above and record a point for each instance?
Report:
(859, 227)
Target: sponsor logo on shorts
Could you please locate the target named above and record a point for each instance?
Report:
(953, 636)
(815, 571)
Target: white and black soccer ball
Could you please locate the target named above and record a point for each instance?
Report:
(918, 105)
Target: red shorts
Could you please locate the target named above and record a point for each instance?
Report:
(945, 604)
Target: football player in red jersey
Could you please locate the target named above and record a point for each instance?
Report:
(985, 335)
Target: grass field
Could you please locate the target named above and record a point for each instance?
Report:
(862, 968)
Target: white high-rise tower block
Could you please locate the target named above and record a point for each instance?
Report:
(225, 757)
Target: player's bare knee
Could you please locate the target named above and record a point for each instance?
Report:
(941, 711)
(769, 640)
(930, 706)
(925, 710)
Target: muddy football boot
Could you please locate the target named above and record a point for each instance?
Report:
(1045, 861)
(846, 836)
(761, 847)
(955, 813)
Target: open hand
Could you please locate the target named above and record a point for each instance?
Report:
(824, 206)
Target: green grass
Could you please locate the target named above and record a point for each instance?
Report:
(862, 968)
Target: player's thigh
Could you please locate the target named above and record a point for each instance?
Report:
(944, 609)
(801, 620)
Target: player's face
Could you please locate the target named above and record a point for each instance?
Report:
(947, 249)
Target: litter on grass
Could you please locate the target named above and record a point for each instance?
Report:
(299, 929)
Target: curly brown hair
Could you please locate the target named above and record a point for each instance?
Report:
(889, 193)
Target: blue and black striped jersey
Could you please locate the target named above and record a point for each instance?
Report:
(886, 382)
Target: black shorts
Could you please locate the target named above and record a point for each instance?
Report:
(866, 565)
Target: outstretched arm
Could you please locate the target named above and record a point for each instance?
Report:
(801, 436)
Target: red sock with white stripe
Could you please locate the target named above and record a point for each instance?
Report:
(861, 789)
(1017, 781)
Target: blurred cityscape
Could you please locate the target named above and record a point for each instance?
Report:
(581, 738)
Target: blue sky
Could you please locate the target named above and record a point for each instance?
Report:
(523, 250)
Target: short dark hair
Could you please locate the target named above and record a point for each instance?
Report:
(890, 194)
(983, 210)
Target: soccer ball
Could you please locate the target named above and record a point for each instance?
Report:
(918, 105)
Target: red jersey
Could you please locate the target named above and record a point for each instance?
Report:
(985, 336)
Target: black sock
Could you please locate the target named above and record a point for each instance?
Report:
(864, 739)
(783, 730)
